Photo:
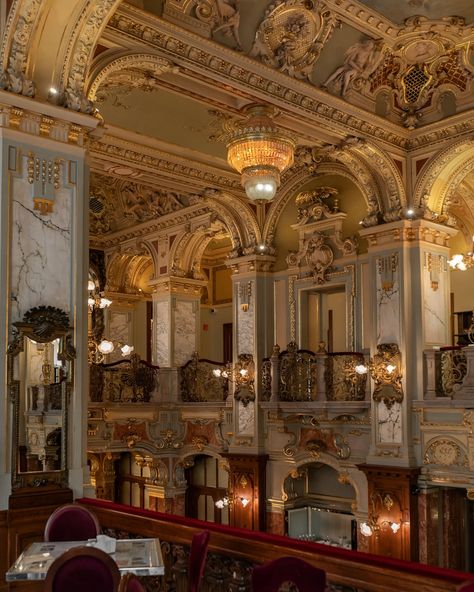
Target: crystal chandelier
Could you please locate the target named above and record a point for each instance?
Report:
(463, 261)
(260, 152)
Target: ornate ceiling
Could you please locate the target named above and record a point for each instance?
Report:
(398, 11)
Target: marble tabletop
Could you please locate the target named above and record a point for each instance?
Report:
(138, 556)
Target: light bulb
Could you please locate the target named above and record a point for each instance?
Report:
(365, 529)
(395, 526)
(260, 183)
(104, 302)
(219, 504)
(90, 302)
(244, 501)
(126, 350)
(390, 368)
(361, 369)
(106, 347)
(217, 372)
(243, 372)
(90, 286)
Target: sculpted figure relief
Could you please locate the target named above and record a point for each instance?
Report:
(229, 20)
(360, 61)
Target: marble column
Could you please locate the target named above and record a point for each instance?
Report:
(176, 306)
(409, 289)
(428, 525)
(44, 248)
(252, 285)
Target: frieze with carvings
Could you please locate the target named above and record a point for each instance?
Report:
(292, 34)
(136, 203)
(445, 452)
(131, 433)
(316, 255)
(201, 433)
(320, 441)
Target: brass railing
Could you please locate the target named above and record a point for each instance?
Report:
(302, 375)
(125, 381)
(199, 384)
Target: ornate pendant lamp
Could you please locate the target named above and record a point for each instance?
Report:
(260, 152)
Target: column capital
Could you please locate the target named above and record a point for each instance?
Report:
(177, 285)
(407, 231)
(251, 264)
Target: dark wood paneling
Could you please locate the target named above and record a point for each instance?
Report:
(359, 570)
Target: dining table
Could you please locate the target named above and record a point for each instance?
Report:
(141, 557)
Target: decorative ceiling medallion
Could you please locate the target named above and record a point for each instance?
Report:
(291, 36)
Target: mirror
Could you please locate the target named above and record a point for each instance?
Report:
(40, 379)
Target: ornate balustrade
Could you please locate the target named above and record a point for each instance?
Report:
(125, 381)
(302, 375)
(449, 372)
(199, 384)
(233, 553)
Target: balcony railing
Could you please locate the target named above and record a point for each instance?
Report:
(234, 552)
(199, 384)
(302, 375)
(449, 372)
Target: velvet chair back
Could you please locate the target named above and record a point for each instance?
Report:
(270, 576)
(71, 522)
(197, 559)
(83, 569)
(130, 583)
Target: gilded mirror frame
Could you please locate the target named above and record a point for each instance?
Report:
(41, 325)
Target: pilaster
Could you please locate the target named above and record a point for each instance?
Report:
(409, 273)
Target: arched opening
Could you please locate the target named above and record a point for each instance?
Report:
(319, 506)
(208, 484)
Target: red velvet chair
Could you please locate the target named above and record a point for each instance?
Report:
(83, 569)
(71, 522)
(467, 587)
(130, 583)
(270, 576)
(197, 560)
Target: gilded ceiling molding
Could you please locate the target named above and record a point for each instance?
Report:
(247, 75)
(122, 268)
(23, 20)
(436, 177)
(244, 216)
(81, 44)
(122, 68)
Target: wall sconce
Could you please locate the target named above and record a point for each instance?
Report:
(222, 503)
(245, 292)
(96, 299)
(385, 371)
(374, 525)
(244, 501)
(242, 375)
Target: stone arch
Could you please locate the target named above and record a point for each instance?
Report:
(124, 271)
(243, 217)
(72, 28)
(114, 61)
(442, 174)
(293, 185)
(354, 476)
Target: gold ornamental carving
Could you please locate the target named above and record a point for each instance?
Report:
(385, 370)
(292, 35)
(445, 452)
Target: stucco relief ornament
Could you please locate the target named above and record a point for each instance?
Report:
(13, 79)
(317, 255)
(444, 452)
(311, 204)
(360, 61)
(73, 97)
(385, 371)
(292, 35)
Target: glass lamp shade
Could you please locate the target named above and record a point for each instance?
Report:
(260, 151)
(106, 347)
(90, 286)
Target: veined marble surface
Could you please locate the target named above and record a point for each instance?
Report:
(436, 325)
(184, 331)
(245, 324)
(389, 423)
(161, 355)
(119, 329)
(246, 418)
(388, 312)
(41, 253)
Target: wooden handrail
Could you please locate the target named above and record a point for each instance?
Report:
(363, 571)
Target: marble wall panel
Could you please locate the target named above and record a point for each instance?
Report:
(245, 323)
(119, 329)
(161, 319)
(388, 312)
(41, 251)
(184, 331)
(246, 418)
(435, 310)
(389, 423)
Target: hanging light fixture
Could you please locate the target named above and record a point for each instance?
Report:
(463, 261)
(260, 152)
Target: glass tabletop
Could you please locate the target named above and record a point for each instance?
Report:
(141, 557)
